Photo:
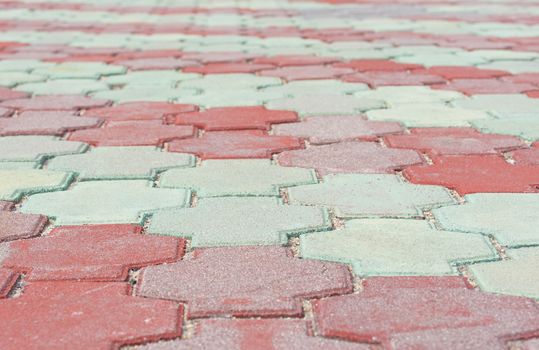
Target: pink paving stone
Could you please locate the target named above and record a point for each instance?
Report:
(427, 313)
(527, 156)
(7, 281)
(476, 173)
(217, 57)
(157, 63)
(132, 133)
(123, 56)
(17, 225)
(6, 205)
(462, 72)
(531, 78)
(443, 141)
(264, 334)
(91, 252)
(245, 282)
(54, 102)
(45, 123)
(378, 66)
(375, 79)
(306, 72)
(485, 86)
(234, 118)
(533, 94)
(7, 94)
(223, 68)
(320, 130)
(140, 111)
(84, 315)
(294, 60)
(350, 157)
(5, 112)
(235, 144)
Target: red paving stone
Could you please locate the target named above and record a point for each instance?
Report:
(476, 173)
(139, 111)
(7, 94)
(247, 281)
(375, 79)
(486, 86)
(426, 313)
(306, 72)
(235, 144)
(8, 279)
(132, 133)
(5, 112)
(45, 123)
(527, 156)
(84, 315)
(94, 252)
(223, 68)
(234, 118)
(6, 205)
(54, 102)
(294, 60)
(378, 66)
(457, 72)
(157, 63)
(17, 225)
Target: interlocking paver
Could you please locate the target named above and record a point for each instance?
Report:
(223, 68)
(340, 158)
(486, 86)
(139, 111)
(36, 148)
(368, 195)
(501, 105)
(312, 104)
(71, 253)
(67, 310)
(132, 133)
(235, 144)
(306, 72)
(11, 79)
(396, 247)
(7, 279)
(376, 79)
(475, 173)
(317, 86)
(108, 163)
(152, 78)
(63, 87)
(244, 177)
(527, 156)
(100, 202)
(459, 72)
(395, 96)
(8, 94)
(508, 217)
(79, 70)
(45, 123)
(239, 221)
(17, 225)
(293, 60)
(426, 312)
(19, 182)
(278, 334)
(5, 205)
(59, 102)
(378, 66)
(230, 81)
(234, 118)
(247, 281)
(526, 127)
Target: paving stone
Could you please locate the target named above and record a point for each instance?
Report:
(156, 63)
(370, 195)
(486, 86)
(396, 247)
(139, 111)
(127, 202)
(396, 96)
(476, 173)
(529, 344)
(58, 103)
(514, 67)
(19, 182)
(36, 148)
(428, 115)
(230, 81)
(109, 163)
(459, 72)
(376, 79)
(164, 78)
(306, 72)
(63, 87)
(503, 106)
(443, 141)
(293, 60)
(426, 312)
(22, 65)
(8, 279)
(145, 93)
(132, 133)
(318, 87)
(234, 118)
(16, 225)
(235, 144)
(311, 104)
(70, 253)
(224, 97)
(5, 112)
(79, 70)
(509, 217)
(526, 127)
(341, 158)
(510, 276)
(239, 221)
(329, 129)
(528, 156)
(67, 311)
(245, 177)
(8, 94)
(11, 79)
(230, 68)
(45, 123)
(20, 165)
(246, 282)
(4, 205)
(378, 66)
(278, 334)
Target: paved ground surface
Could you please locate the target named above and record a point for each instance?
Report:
(279, 174)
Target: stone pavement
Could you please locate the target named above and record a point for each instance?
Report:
(285, 174)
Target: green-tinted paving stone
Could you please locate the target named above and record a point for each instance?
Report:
(328, 86)
(36, 148)
(511, 218)
(212, 98)
(396, 247)
(19, 165)
(502, 105)
(63, 87)
(526, 127)
(10, 79)
(312, 104)
(15, 183)
(104, 163)
(516, 276)
(366, 195)
(100, 202)
(249, 177)
(79, 70)
(147, 93)
(22, 65)
(230, 81)
(165, 78)
(239, 221)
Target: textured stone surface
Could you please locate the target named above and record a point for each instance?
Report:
(36, 148)
(99, 202)
(16, 225)
(509, 217)
(248, 281)
(104, 163)
(306, 72)
(19, 182)
(368, 195)
(91, 252)
(246, 177)
(239, 221)
(395, 96)
(340, 158)
(396, 247)
(527, 156)
(426, 312)
(73, 313)
(79, 70)
(45, 123)
(60, 102)
(503, 106)
(139, 111)
(325, 104)
(526, 127)
(4, 205)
